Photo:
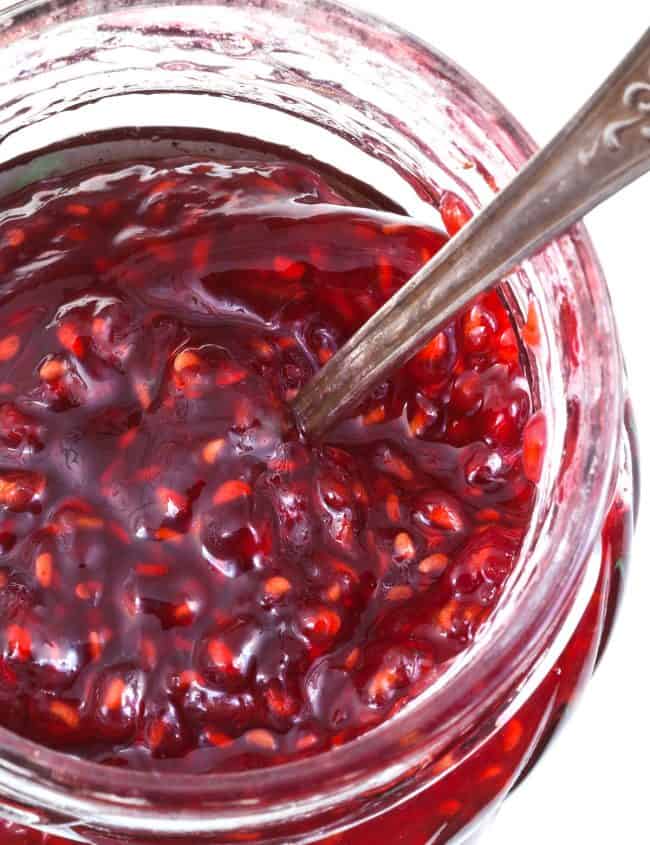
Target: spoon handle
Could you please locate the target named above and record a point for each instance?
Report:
(603, 148)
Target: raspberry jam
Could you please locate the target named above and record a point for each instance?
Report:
(212, 629)
(186, 583)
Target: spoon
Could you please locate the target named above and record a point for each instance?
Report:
(603, 148)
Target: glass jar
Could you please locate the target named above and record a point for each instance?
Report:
(369, 101)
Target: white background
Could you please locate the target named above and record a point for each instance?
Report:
(543, 60)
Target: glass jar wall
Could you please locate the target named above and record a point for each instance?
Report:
(347, 91)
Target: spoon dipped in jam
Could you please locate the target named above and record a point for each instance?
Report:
(604, 147)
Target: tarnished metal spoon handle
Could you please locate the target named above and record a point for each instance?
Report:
(603, 148)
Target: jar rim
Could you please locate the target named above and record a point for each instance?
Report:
(42, 775)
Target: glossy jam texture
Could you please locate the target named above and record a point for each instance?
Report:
(185, 582)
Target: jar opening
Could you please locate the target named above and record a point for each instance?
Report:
(360, 113)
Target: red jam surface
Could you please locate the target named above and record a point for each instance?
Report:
(185, 582)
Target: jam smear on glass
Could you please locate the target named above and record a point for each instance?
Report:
(185, 582)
